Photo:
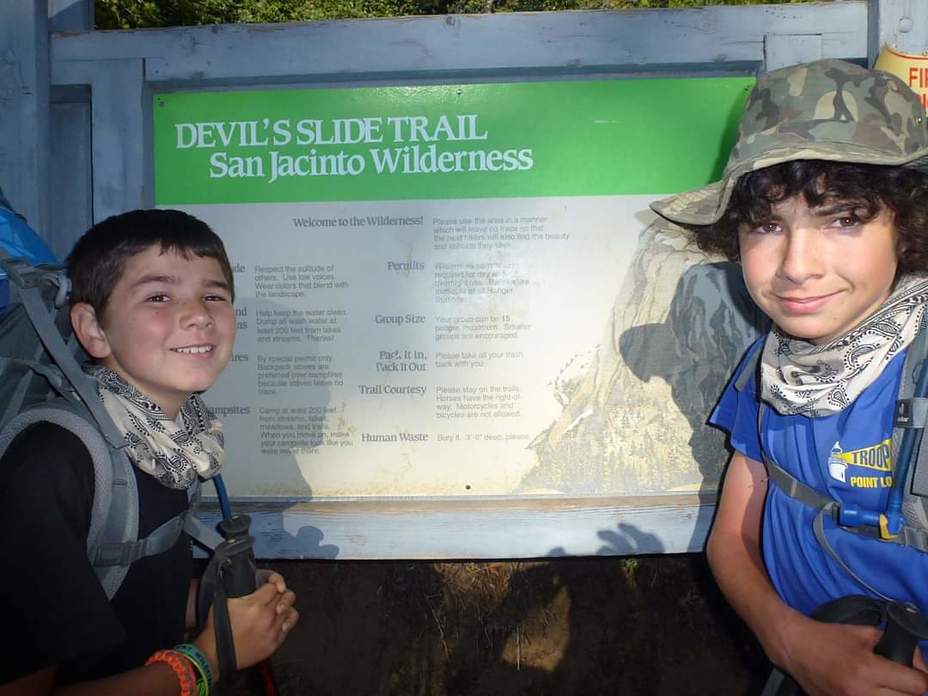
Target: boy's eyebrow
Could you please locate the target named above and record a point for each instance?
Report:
(836, 207)
(153, 278)
(221, 284)
(172, 280)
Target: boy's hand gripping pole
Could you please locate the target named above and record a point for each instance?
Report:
(904, 628)
(231, 573)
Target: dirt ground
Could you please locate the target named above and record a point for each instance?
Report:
(636, 625)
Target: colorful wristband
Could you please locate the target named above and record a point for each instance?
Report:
(182, 668)
(201, 664)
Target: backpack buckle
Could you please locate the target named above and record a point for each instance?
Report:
(26, 276)
(116, 553)
(19, 271)
(890, 526)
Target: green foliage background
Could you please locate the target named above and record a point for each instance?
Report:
(131, 14)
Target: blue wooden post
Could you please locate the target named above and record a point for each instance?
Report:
(24, 100)
(70, 15)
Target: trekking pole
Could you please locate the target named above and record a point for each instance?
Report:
(232, 572)
(905, 626)
(240, 574)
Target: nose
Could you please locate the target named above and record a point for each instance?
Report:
(196, 314)
(801, 256)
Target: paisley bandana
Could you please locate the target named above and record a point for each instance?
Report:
(798, 377)
(173, 451)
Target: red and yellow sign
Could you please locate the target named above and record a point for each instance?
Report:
(913, 69)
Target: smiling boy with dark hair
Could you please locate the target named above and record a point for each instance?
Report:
(152, 306)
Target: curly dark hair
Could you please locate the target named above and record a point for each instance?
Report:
(868, 188)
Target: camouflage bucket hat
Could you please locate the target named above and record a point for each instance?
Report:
(826, 110)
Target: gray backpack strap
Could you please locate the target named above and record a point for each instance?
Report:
(912, 411)
(115, 555)
(119, 546)
(84, 385)
(912, 536)
(750, 369)
(28, 281)
(112, 541)
(114, 511)
(18, 397)
(202, 534)
(121, 554)
(825, 507)
(828, 507)
(795, 488)
(915, 504)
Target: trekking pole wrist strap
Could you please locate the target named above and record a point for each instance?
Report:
(222, 629)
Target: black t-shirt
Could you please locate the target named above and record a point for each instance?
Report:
(53, 609)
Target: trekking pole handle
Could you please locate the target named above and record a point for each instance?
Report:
(235, 575)
(900, 637)
(240, 577)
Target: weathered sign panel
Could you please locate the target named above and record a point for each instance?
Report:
(455, 290)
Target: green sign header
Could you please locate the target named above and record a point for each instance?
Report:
(603, 137)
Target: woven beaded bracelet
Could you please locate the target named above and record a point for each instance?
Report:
(181, 667)
(199, 661)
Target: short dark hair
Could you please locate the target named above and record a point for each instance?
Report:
(96, 262)
(867, 187)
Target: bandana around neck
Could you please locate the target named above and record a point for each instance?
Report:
(173, 451)
(798, 377)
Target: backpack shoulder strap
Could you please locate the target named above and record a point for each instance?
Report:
(913, 410)
(114, 510)
(113, 542)
(201, 533)
(28, 281)
(751, 366)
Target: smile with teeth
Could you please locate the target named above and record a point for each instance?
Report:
(194, 350)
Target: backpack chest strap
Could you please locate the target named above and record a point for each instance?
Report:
(808, 496)
(163, 538)
(127, 552)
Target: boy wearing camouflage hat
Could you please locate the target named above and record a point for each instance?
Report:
(824, 202)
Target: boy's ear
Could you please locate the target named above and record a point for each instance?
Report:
(87, 328)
